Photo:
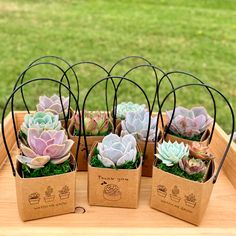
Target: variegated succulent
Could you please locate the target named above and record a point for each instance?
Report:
(53, 104)
(171, 153)
(96, 123)
(189, 123)
(45, 146)
(125, 107)
(200, 151)
(136, 123)
(116, 151)
(192, 165)
(41, 121)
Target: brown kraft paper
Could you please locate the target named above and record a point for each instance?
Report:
(45, 196)
(82, 160)
(204, 139)
(180, 197)
(113, 187)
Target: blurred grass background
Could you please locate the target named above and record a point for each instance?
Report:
(194, 36)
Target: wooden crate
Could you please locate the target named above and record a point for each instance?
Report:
(219, 218)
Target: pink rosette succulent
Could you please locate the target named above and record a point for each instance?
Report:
(96, 122)
(192, 166)
(53, 104)
(200, 151)
(189, 123)
(45, 146)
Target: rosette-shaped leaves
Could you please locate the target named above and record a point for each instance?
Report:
(53, 104)
(192, 165)
(125, 107)
(200, 151)
(41, 121)
(96, 123)
(116, 151)
(171, 153)
(136, 123)
(189, 123)
(44, 146)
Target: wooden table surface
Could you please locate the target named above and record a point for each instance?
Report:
(219, 219)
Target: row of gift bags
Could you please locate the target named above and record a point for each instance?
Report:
(52, 195)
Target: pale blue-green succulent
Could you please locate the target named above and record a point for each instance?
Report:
(41, 121)
(171, 153)
(125, 107)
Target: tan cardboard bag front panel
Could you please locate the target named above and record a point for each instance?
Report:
(180, 197)
(45, 196)
(115, 188)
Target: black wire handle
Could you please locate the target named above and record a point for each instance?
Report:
(7, 103)
(172, 115)
(116, 90)
(232, 116)
(21, 77)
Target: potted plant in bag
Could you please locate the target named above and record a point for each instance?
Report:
(97, 125)
(188, 125)
(186, 172)
(136, 123)
(44, 166)
(114, 172)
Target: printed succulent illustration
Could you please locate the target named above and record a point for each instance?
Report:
(189, 123)
(136, 123)
(200, 151)
(192, 165)
(96, 123)
(44, 146)
(116, 151)
(41, 121)
(53, 104)
(171, 153)
(125, 107)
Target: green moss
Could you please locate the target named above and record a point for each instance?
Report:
(176, 170)
(194, 138)
(95, 162)
(48, 170)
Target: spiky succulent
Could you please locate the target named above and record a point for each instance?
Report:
(136, 123)
(116, 151)
(125, 107)
(171, 153)
(53, 104)
(192, 165)
(96, 123)
(41, 121)
(200, 151)
(189, 123)
(44, 146)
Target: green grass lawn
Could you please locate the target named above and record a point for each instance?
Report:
(194, 36)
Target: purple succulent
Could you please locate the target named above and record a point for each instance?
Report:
(192, 165)
(189, 123)
(44, 146)
(53, 104)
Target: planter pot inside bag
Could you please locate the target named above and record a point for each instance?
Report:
(113, 187)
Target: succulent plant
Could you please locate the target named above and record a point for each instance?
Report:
(234, 137)
(189, 123)
(125, 107)
(171, 153)
(41, 121)
(96, 123)
(44, 146)
(192, 165)
(53, 104)
(116, 151)
(200, 151)
(136, 123)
